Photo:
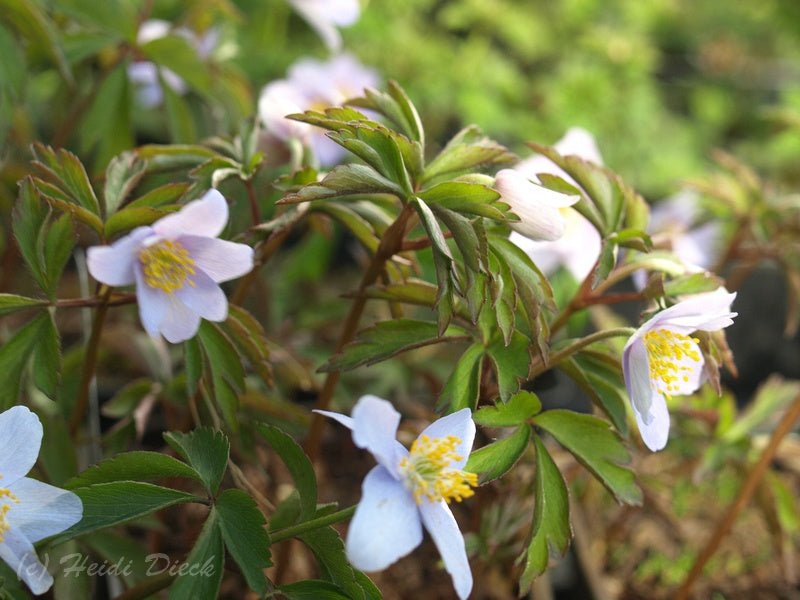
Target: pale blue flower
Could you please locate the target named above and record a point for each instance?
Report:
(661, 359)
(29, 509)
(409, 489)
(177, 264)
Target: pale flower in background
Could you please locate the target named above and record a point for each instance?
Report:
(326, 15)
(313, 85)
(177, 264)
(144, 74)
(661, 359)
(409, 489)
(30, 510)
(579, 246)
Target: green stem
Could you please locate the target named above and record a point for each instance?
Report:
(574, 347)
(301, 528)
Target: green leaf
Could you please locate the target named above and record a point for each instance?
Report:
(180, 120)
(201, 574)
(126, 399)
(606, 262)
(10, 303)
(519, 408)
(355, 223)
(14, 356)
(346, 180)
(600, 376)
(465, 237)
(312, 589)
(114, 548)
(167, 194)
(251, 341)
(47, 359)
(170, 157)
(386, 339)
(595, 446)
(770, 401)
(206, 450)
(550, 532)
(108, 123)
(123, 174)
(242, 526)
(396, 106)
(328, 548)
(511, 362)
(463, 385)
(13, 71)
(178, 55)
(107, 504)
(59, 240)
(111, 16)
(133, 466)
(64, 170)
(692, 283)
(132, 217)
(497, 459)
(299, 466)
(466, 198)
(469, 150)
(227, 373)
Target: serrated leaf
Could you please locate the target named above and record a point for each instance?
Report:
(107, 504)
(601, 379)
(132, 217)
(511, 362)
(59, 240)
(14, 355)
(463, 385)
(64, 170)
(206, 450)
(202, 571)
(227, 373)
(692, 283)
(133, 466)
(311, 589)
(519, 408)
(328, 549)
(466, 198)
(465, 237)
(123, 174)
(251, 341)
(346, 180)
(496, 459)
(386, 339)
(550, 532)
(242, 526)
(595, 446)
(10, 303)
(47, 359)
(167, 194)
(170, 157)
(299, 466)
(469, 150)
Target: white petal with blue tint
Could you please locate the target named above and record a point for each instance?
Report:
(459, 424)
(442, 526)
(43, 510)
(114, 264)
(386, 525)
(221, 260)
(206, 216)
(375, 424)
(204, 297)
(20, 440)
(19, 554)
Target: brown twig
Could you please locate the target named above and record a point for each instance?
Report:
(255, 211)
(116, 300)
(748, 488)
(391, 243)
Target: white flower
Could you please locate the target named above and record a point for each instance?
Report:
(673, 222)
(537, 207)
(325, 15)
(29, 509)
(313, 85)
(661, 359)
(579, 246)
(409, 489)
(144, 74)
(177, 264)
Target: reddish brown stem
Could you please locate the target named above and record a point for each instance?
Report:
(116, 300)
(745, 494)
(255, 211)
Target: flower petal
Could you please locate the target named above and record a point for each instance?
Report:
(114, 264)
(386, 525)
(205, 297)
(153, 303)
(442, 526)
(18, 553)
(43, 510)
(20, 440)
(690, 372)
(206, 216)
(648, 403)
(654, 430)
(343, 419)
(375, 424)
(459, 424)
(706, 312)
(180, 323)
(219, 259)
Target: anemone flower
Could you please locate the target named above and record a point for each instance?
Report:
(177, 264)
(29, 509)
(661, 359)
(537, 207)
(409, 489)
(578, 248)
(312, 85)
(326, 15)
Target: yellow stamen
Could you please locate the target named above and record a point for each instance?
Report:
(427, 473)
(665, 349)
(8, 499)
(167, 266)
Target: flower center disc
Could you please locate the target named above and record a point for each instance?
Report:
(428, 474)
(166, 266)
(7, 498)
(668, 352)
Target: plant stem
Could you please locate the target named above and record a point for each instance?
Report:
(748, 488)
(301, 528)
(564, 353)
(116, 300)
(90, 362)
(255, 211)
(391, 243)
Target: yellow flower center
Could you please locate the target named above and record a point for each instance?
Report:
(427, 473)
(8, 500)
(666, 350)
(167, 266)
